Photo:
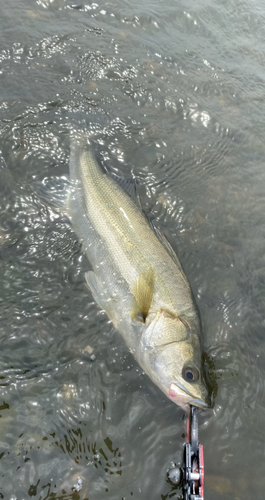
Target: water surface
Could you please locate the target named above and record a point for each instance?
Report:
(173, 91)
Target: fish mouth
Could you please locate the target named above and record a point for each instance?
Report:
(199, 403)
(182, 396)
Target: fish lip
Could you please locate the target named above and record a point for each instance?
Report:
(199, 403)
(182, 387)
(194, 401)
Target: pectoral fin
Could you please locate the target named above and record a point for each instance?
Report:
(143, 290)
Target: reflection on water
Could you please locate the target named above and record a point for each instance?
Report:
(174, 93)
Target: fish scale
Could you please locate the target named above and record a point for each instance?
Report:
(137, 279)
(125, 232)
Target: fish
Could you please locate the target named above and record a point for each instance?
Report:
(136, 278)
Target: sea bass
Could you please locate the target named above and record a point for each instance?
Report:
(137, 279)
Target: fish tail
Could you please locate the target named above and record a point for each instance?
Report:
(83, 153)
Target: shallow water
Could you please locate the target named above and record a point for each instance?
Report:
(173, 91)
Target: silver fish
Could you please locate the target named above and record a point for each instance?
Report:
(137, 279)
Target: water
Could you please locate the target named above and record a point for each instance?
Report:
(174, 90)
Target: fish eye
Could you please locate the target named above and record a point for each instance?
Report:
(190, 374)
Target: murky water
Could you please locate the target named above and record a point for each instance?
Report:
(175, 91)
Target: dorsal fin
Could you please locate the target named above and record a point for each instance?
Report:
(129, 185)
(166, 245)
